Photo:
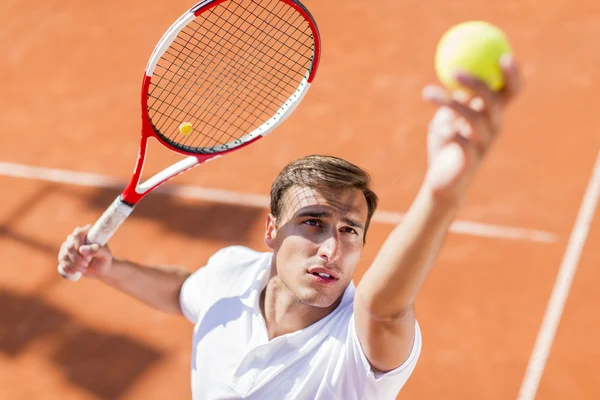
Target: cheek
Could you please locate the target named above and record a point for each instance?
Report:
(352, 257)
(294, 248)
(295, 244)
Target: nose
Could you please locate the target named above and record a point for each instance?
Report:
(329, 249)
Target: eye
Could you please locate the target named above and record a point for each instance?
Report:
(347, 229)
(313, 222)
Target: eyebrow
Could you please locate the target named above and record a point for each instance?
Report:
(325, 214)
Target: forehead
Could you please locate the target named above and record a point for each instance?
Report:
(344, 201)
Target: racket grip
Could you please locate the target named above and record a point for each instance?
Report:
(109, 222)
(103, 229)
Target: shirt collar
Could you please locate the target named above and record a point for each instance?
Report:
(251, 297)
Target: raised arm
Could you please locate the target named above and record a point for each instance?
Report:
(157, 286)
(459, 137)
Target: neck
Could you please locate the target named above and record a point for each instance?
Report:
(284, 313)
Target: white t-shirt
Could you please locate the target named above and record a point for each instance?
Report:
(232, 356)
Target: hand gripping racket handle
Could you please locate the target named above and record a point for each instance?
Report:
(103, 229)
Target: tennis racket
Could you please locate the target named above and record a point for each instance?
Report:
(224, 75)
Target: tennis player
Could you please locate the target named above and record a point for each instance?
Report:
(289, 323)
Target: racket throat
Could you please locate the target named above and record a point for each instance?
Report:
(136, 190)
(130, 195)
(166, 174)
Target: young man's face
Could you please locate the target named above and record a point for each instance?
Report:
(318, 241)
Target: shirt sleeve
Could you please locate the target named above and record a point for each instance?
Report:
(199, 287)
(382, 385)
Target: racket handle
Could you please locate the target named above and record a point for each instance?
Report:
(109, 222)
(103, 229)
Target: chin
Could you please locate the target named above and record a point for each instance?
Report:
(314, 298)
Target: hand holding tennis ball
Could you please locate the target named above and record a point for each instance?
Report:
(480, 78)
(475, 48)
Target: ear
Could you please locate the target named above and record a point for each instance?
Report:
(270, 231)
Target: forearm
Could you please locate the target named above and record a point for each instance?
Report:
(390, 286)
(157, 286)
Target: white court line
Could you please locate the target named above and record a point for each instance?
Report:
(562, 286)
(253, 200)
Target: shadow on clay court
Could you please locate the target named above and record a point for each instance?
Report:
(102, 363)
(198, 219)
(28, 241)
(7, 226)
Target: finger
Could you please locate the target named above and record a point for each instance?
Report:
(484, 101)
(74, 256)
(75, 263)
(71, 254)
(83, 228)
(70, 270)
(81, 233)
(470, 126)
(476, 126)
(438, 97)
(65, 270)
(441, 123)
(434, 93)
(62, 251)
(63, 254)
(512, 78)
(89, 250)
(479, 89)
(72, 242)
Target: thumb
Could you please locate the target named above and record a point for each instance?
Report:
(89, 249)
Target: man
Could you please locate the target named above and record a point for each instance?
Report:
(290, 323)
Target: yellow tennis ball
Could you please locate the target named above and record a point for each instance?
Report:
(474, 47)
(186, 128)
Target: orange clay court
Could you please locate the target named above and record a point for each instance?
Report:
(69, 114)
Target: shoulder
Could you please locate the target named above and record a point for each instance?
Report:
(238, 257)
(228, 272)
(242, 263)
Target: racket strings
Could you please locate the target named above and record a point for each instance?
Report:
(220, 29)
(229, 71)
(255, 71)
(268, 101)
(273, 13)
(256, 64)
(303, 44)
(212, 137)
(212, 102)
(181, 76)
(284, 55)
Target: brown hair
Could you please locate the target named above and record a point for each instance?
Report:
(323, 173)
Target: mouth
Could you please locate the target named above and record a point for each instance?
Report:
(323, 279)
(323, 275)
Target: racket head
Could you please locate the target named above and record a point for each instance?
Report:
(233, 69)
